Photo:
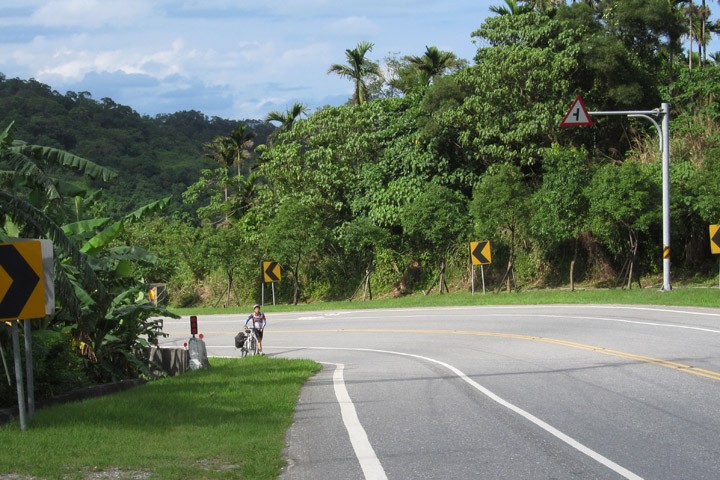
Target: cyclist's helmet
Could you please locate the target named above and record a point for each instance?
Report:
(257, 305)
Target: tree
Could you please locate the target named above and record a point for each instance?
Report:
(644, 27)
(625, 203)
(220, 150)
(559, 206)
(433, 63)
(519, 84)
(229, 252)
(361, 239)
(31, 197)
(241, 142)
(288, 118)
(498, 207)
(358, 69)
(229, 150)
(544, 6)
(220, 199)
(292, 237)
(98, 300)
(435, 221)
(511, 7)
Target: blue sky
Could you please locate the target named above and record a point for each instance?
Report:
(234, 59)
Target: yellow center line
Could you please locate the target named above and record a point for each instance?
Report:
(680, 367)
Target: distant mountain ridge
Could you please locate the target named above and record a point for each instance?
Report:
(153, 156)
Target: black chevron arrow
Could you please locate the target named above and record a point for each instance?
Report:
(716, 238)
(477, 252)
(269, 271)
(24, 280)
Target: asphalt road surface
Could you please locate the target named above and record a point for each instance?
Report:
(530, 392)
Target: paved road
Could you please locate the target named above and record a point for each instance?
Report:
(536, 392)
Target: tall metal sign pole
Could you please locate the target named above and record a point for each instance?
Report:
(578, 116)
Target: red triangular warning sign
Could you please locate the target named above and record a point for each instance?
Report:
(577, 116)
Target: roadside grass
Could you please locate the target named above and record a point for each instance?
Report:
(679, 296)
(228, 421)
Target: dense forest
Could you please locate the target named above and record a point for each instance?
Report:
(153, 156)
(383, 195)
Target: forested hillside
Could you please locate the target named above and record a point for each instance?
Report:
(430, 153)
(153, 156)
(381, 196)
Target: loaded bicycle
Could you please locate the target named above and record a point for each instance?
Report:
(247, 342)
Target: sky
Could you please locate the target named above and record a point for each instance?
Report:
(234, 59)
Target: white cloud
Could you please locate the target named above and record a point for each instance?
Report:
(91, 14)
(234, 58)
(356, 25)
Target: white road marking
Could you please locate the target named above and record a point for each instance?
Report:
(600, 319)
(620, 470)
(364, 452)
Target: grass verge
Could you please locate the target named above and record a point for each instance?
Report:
(699, 297)
(226, 422)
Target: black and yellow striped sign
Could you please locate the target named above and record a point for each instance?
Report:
(715, 238)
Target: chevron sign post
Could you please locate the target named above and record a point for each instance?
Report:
(715, 245)
(480, 254)
(26, 292)
(272, 272)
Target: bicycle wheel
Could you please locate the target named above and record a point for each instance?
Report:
(253, 345)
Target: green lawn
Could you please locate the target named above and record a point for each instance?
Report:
(701, 297)
(225, 422)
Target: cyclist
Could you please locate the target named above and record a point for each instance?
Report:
(258, 324)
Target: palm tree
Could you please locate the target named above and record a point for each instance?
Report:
(699, 28)
(219, 150)
(704, 38)
(287, 119)
(433, 62)
(691, 11)
(511, 7)
(240, 142)
(232, 149)
(357, 69)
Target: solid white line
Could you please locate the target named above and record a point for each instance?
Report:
(358, 437)
(617, 320)
(532, 418)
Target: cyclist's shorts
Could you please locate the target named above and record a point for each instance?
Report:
(259, 334)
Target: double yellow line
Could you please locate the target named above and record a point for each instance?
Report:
(680, 367)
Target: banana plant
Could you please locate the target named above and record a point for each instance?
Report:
(97, 299)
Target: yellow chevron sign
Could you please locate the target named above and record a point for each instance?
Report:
(22, 281)
(480, 253)
(715, 238)
(272, 272)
